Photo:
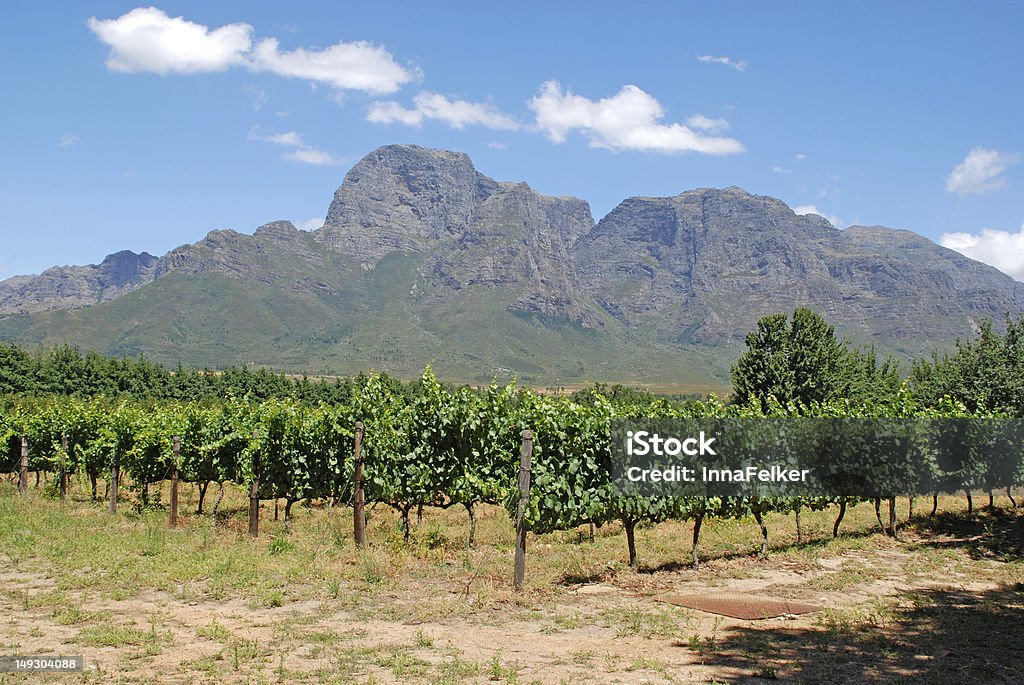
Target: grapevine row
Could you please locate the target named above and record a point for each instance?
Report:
(436, 447)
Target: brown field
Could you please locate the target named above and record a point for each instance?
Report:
(206, 604)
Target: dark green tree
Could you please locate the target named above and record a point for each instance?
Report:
(19, 371)
(801, 360)
(984, 373)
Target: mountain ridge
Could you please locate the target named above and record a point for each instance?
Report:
(423, 258)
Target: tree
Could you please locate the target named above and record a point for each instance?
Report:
(800, 360)
(986, 373)
(19, 371)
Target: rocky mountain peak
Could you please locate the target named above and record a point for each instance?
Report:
(705, 264)
(277, 230)
(125, 267)
(400, 197)
(73, 287)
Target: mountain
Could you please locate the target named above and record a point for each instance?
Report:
(70, 287)
(424, 259)
(703, 266)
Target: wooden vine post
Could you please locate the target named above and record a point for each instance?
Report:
(359, 506)
(525, 455)
(115, 476)
(23, 468)
(64, 467)
(254, 495)
(174, 482)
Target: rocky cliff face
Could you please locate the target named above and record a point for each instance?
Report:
(473, 231)
(704, 265)
(403, 197)
(518, 245)
(422, 254)
(72, 287)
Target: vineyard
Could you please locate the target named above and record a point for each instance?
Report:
(403, 512)
(443, 448)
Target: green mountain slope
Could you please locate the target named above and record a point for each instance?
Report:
(422, 259)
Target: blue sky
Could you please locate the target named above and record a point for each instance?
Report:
(129, 126)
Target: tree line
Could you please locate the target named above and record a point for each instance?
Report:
(800, 360)
(795, 358)
(65, 370)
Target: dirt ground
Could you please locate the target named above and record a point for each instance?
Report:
(944, 605)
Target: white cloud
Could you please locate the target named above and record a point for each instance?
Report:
(356, 66)
(259, 97)
(146, 39)
(292, 138)
(980, 172)
(627, 120)
(811, 209)
(68, 140)
(310, 224)
(1001, 249)
(289, 138)
(782, 170)
(800, 157)
(301, 152)
(310, 155)
(456, 113)
(389, 112)
(738, 65)
(497, 145)
(707, 123)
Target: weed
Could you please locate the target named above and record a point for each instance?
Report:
(274, 599)
(244, 651)
(280, 668)
(155, 539)
(436, 536)
(642, 663)
(455, 669)
(70, 616)
(582, 656)
(112, 636)
(325, 637)
(279, 545)
(423, 640)
(371, 569)
(641, 623)
(215, 631)
(403, 664)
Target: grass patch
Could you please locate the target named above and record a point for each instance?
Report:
(634, 622)
(112, 636)
(216, 632)
(402, 664)
(852, 573)
(455, 669)
(71, 616)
